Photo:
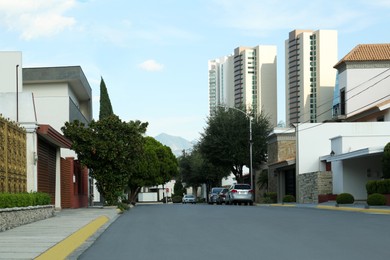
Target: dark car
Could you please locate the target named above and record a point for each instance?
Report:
(240, 193)
(213, 194)
(222, 196)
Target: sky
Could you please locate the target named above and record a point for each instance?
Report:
(153, 54)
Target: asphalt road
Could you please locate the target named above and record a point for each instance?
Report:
(186, 232)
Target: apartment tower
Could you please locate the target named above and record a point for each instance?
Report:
(310, 76)
(245, 79)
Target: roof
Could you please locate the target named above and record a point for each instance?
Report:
(52, 136)
(73, 75)
(367, 52)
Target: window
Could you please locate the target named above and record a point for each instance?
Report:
(342, 102)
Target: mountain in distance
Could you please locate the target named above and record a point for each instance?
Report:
(176, 143)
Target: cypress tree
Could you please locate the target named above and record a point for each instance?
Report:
(105, 103)
(386, 162)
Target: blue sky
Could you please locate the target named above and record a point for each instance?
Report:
(153, 54)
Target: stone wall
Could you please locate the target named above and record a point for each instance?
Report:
(313, 184)
(14, 217)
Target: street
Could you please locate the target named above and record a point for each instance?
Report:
(185, 232)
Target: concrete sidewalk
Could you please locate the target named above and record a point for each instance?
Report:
(64, 236)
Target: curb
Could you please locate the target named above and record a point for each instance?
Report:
(72, 242)
(381, 211)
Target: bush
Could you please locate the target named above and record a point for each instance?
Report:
(376, 199)
(12, 200)
(273, 196)
(345, 198)
(200, 200)
(177, 199)
(289, 198)
(123, 206)
(379, 186)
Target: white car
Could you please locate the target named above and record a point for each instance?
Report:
(189, 199)
(239, 193)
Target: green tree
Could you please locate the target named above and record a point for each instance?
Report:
(109, 148)
(386, 162)
(156, 165)
(225, 142)
(105, 103)
(195, 170)
(178, 188)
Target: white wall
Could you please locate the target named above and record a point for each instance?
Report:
(365, 88)
(355, 173)
(52, 103)
(9, 71)
(314, 140)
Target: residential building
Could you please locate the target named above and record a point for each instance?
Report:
(220, 83)
(363, 92)
(340, 156)
(41, 100)
(246, 79)
(310, 76)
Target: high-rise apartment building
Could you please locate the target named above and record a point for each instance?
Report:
(310, 76)
(220, 86)
(245, 79)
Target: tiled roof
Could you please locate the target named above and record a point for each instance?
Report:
(367, 52)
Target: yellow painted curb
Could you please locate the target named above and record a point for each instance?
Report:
(283, 205)
(382, 211)
(72, 242)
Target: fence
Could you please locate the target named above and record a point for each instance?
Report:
(13, 175)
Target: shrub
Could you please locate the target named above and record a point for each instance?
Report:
(267, 200)
(376, 199)
(289, 198)
(379, 186)
(177, 199)
(273, 196)
(371, 187)
(200, 200)
(345, 198)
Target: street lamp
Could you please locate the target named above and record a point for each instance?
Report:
(250, 141)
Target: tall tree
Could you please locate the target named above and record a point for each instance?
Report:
(225, 142)
(109, 148)
(386, 162)
(105, 103)
(156, 165)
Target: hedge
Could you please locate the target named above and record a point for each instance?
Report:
(378, 186)
(13, 200)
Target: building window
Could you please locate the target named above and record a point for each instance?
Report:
(342, 102)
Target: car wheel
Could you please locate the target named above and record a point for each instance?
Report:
(251, 203)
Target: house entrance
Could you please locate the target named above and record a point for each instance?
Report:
(290, 183)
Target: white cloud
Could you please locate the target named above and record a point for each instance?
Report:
(260, 17)
(37, 18)
(151, 65)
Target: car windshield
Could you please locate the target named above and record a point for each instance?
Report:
(189, 196)
(216, 190)
(242, 187)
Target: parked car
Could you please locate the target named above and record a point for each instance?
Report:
(240, 193)
(222, 196)
(213, 194)
(189, 199)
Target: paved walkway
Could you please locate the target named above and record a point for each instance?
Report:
(59, 237)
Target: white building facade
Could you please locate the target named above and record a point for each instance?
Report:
(310, 76)
(245, 79)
